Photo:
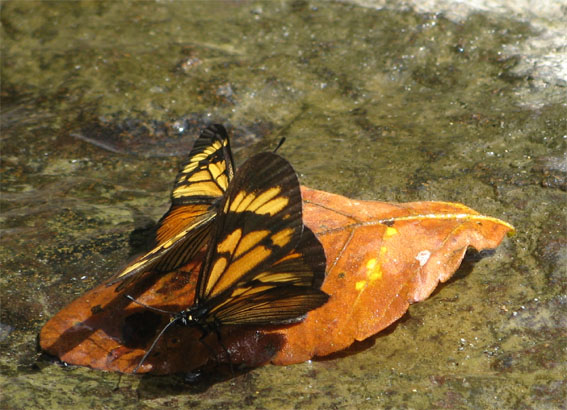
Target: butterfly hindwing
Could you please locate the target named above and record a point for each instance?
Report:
(186, 227)
(253, 273)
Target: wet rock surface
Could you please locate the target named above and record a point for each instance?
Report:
(409, 102)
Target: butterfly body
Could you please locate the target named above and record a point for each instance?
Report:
(194, 316)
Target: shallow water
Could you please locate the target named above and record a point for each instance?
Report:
(101, 100)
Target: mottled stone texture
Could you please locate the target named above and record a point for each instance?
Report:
(101, 100)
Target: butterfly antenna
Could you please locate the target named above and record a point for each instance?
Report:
(279, 145)
(148, 306)
(172, 321)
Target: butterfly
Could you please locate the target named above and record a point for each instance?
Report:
(186, 227)
(262, 266)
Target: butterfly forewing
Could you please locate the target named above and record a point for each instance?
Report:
(260, 221)
(252, 273)
(207, 173)
(195, 198)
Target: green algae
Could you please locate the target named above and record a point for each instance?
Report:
(375, 104)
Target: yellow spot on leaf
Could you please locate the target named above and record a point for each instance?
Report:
(375, 275)
(390, 232)
(371, 263)
(373, 270)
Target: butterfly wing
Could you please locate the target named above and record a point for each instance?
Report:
(198, 188)
(281, 294)
(259, 268)
(205, 176)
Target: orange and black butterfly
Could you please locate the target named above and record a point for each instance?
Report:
(262, 266)
(186, 227)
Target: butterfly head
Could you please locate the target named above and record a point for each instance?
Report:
(192, 316)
